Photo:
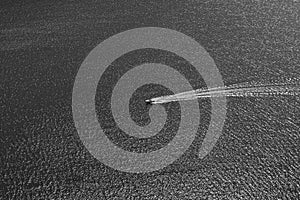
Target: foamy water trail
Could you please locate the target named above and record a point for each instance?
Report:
(236, 90)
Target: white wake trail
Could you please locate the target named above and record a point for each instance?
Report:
(236, 90)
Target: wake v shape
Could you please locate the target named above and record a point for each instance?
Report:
(246, 89)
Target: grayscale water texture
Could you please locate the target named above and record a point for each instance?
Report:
(44, 43)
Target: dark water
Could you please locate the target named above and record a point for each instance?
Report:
(42, 46)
